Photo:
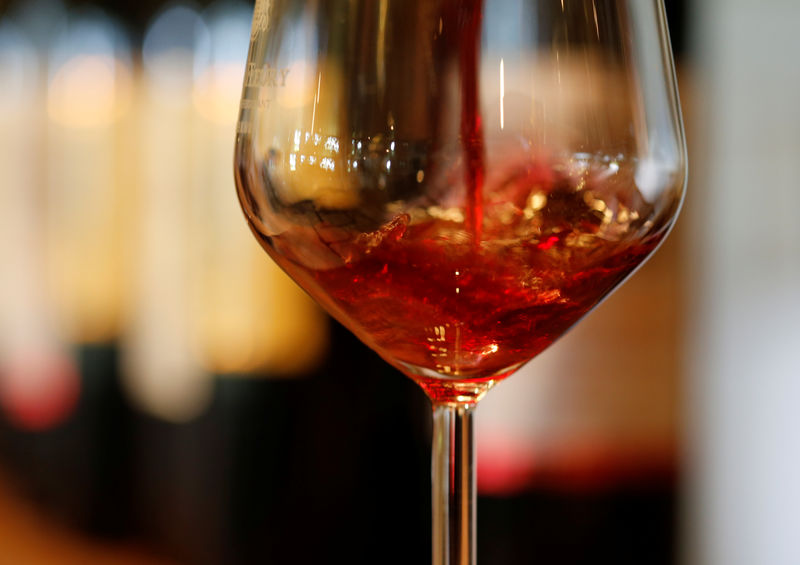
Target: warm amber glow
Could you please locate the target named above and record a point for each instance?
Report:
(87, 185)
(89, 91)
(217, 91)
(88, 290)
(262, 323)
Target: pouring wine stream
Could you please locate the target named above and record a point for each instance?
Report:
(453, 469)
(471, 122)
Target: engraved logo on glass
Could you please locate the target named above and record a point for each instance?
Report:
(259, 81)
(261, 17)
(263, 80)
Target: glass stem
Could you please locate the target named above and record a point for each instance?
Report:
(453, 474)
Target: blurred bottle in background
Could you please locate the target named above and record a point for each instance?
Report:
(38, 385)
(66, 304)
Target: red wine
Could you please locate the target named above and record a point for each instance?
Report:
(468, 16)
(454, 314)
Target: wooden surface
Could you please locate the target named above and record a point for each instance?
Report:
(28, 537)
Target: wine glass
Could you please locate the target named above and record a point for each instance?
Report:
(458, 182)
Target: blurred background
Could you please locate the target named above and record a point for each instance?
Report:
(167, 396)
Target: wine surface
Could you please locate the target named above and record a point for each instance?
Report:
(457, 314)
